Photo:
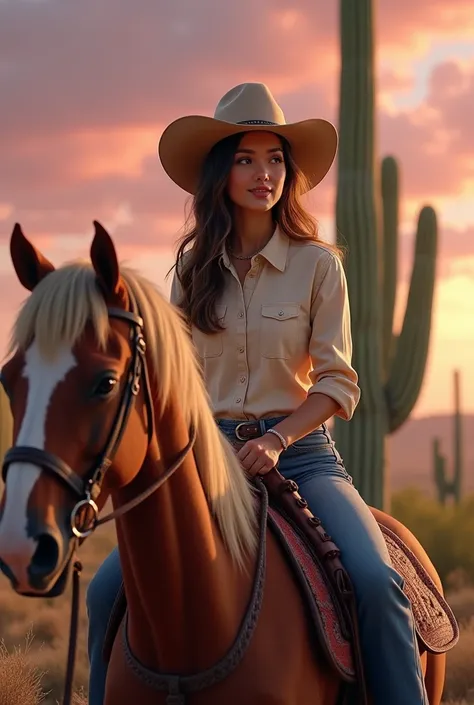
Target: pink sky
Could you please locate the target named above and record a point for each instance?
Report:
(88, 87)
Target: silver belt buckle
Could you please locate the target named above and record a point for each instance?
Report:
(237, 435)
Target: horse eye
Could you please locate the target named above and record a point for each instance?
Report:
(105, 386)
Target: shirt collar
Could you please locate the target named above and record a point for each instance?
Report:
(275, 251)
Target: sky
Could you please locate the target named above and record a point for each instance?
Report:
(87, 88)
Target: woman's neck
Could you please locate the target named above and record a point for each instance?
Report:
(251, 232)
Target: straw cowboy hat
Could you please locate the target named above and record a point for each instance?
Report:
(186, 142)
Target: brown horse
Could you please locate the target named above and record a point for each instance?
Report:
(188, 551)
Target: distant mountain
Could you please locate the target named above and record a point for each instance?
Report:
(411, 452)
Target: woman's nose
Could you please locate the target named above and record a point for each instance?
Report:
(261, 175)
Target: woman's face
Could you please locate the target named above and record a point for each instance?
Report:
(258, 173)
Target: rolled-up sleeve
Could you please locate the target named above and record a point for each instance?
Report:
(331, 341)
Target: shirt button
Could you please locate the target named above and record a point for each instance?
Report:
(242, 379)
(238, 400)
(241, 314)
(241, 350)
(280, 313)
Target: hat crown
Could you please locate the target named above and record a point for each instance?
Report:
(250, 103)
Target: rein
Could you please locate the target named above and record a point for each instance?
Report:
(88, 489)
(77, 566)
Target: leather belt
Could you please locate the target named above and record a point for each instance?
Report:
(248, 429)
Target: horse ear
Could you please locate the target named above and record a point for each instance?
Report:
(30, 265)
(105, 262)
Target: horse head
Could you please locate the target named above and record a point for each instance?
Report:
(81, 427)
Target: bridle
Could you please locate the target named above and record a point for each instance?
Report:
(85, 515)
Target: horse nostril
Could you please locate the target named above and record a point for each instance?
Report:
(46, 556)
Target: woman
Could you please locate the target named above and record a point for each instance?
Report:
(268, 308)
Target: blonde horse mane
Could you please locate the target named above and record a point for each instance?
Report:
(55, 316)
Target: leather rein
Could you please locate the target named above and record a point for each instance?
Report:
(85, 515)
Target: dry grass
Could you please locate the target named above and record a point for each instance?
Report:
(79, 699)
(34, 673)
(460, 675)
(20, 681)
(459, 688)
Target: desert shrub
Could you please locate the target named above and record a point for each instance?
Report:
(446, 533)
(460, 674)
(20, 679)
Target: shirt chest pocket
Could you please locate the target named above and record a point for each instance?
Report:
(281, 330)
(210, 344)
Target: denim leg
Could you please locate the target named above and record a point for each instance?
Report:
(386, 625)
(100, 597)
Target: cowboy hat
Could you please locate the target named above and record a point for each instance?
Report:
(186, 142)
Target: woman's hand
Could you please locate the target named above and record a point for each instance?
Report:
(259, 455)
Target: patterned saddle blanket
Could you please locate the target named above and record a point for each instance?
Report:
(436, 625)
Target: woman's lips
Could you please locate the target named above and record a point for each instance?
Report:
(261, 192)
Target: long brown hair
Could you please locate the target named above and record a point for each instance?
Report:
(209, 227)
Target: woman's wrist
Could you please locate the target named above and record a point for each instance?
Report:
(281, 438)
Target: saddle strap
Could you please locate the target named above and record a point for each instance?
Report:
(284, 496)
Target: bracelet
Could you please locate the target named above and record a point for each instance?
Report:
(282, 438)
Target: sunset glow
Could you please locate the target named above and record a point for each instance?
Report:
(81, 118)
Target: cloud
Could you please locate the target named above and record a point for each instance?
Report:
(87, 89)
(451, 92)
(105, 64)
(416, 22)
(434, 142)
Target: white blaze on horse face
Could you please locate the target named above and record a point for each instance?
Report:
(16, 546)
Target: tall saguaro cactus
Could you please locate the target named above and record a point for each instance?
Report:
(450, 486)
(391, 368)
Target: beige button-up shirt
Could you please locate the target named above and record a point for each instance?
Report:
(287, 334)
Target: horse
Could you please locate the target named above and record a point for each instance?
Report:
(102, 374)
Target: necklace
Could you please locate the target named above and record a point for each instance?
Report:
(247, 257)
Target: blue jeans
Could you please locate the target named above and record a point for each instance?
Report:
(387, 632)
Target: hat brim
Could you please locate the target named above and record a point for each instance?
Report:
(187, 141)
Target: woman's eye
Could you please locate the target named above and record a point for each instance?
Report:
(105, 387)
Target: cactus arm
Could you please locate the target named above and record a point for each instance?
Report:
(390, 256)
(458, 440)
(439, 467)
(452, 485)
(407, 371)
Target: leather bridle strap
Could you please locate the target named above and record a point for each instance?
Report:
(154, 487)
(137, 369)
(46, 461)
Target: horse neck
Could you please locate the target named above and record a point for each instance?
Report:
(185, 596)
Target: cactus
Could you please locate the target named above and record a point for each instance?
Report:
(390, 367)
(453, 486)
